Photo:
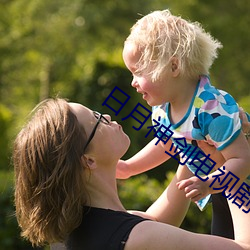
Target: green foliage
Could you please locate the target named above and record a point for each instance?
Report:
(74, 48)
(197, 221)
(9, 231)
(5, 124)
(228, 22)
(245, 103)
(139, 192)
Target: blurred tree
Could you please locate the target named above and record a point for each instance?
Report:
(5, 123)
(244, 102)
(227, 21)
(51, 47)
(10, 238)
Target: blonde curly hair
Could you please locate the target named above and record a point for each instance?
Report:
(161, 36)
(49, 181)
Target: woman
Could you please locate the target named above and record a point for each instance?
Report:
(65, 188)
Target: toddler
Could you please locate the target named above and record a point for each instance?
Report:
(170, 59)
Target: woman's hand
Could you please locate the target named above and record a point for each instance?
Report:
(245, 124)
(215, 154)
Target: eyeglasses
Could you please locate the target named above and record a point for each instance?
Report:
(100, 118)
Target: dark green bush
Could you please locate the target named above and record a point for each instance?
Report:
(10, 238)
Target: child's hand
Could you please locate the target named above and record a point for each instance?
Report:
(194, 188)
(122, 170)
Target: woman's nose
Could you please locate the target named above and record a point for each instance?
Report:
(108, 117)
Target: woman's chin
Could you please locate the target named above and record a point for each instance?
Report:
(126, 145)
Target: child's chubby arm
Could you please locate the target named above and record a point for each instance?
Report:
(234, 158)
(149, 157)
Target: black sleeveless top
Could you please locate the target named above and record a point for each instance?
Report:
(102, 229)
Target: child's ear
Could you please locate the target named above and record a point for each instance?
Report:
(175, 66)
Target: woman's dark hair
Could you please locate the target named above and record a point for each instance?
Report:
(49, 180)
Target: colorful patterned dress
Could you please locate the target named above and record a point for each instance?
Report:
(213, 115)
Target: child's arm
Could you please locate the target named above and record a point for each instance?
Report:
(149, 157)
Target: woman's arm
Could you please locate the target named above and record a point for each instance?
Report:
(159, 236)
(171, 207)
(235, 158)
(245, 124)
(237, 155)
